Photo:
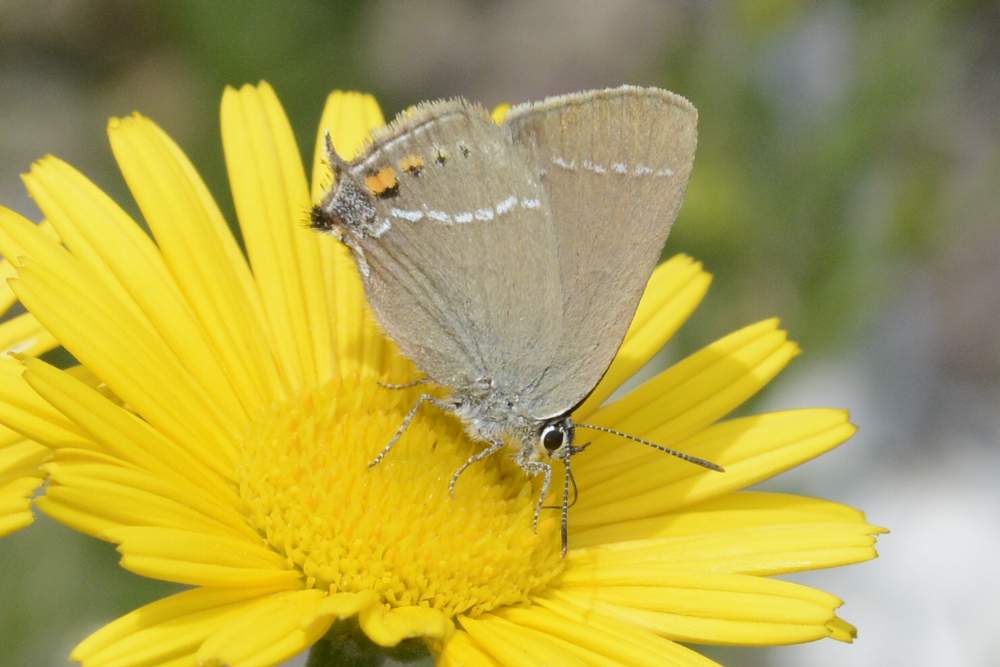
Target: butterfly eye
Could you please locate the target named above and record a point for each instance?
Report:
(552, 438)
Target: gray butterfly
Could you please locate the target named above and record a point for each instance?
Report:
(507, 260)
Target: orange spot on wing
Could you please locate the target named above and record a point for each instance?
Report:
(412, 164)
(382, 181)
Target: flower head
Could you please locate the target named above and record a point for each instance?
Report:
(221, 431)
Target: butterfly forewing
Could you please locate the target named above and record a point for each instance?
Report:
(614, 165)
(460, 265)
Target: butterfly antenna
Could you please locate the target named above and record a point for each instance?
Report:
(704, 463)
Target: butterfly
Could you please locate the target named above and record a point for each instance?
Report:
(507, 260)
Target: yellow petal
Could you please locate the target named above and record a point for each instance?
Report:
(461, 651)
(198, 249)
(674, 290)
(842, 631)
(344, 605)
(744, 509)
(7, 269)
(200, 559)
(120, 496)
(24, 411)
(20, 476)
(269, 633)
(385, 627)
(167, 629)
(201, 574)
(85, 456)
(9, 437)
(106, 239)
(687, 397)
(749, 533)
(516, 646)
(710, 608)
(388, 627)
(114, 430)
(763, 551)
(350, 119)
(24, 334)
(272, 203)
(107, 333)
(21, 458)
(7, 297)
(750, 448)
(601, 635)
(15, 504)
(49, 279)
(73, 514)
(121, 353)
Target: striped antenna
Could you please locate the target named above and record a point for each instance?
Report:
(704, 463)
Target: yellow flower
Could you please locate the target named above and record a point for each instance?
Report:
(222, 442)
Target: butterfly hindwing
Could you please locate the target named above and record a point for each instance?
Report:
(615, 165)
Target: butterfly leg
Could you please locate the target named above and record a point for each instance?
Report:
(531, 469)
(404, 385)
(424, 398)
(494, 447)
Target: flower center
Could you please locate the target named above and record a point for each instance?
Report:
(394, 529)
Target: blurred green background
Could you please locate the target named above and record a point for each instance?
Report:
(847, 180)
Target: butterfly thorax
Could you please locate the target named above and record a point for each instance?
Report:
(490, 413)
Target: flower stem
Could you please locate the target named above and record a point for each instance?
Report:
(331, 653)
(345, 645)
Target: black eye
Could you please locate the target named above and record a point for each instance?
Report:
(552, 438)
